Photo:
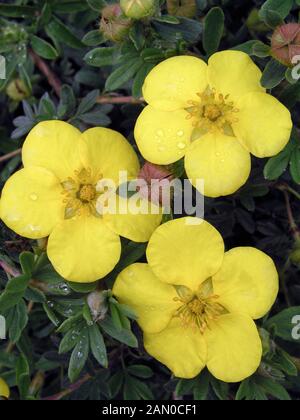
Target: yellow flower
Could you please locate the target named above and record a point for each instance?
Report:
(196, 304)
(57, 191)
(215, 115)
(4, 390)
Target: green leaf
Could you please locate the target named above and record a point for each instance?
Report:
(96, 4)
(22, 375)
(69, 6)
(124, 335)
(136, 35)
(276, 166)
(295, 165)
(261, 50)
(83, 287)
(97, 345)
(273, 388)
(123, 74)
(67, 102)
(51, 315)
(283, 324)
(273, 74)
(93, 38)
(272, 18)
(201, 387)
(282, 7)
(71, 338)
(16, 321)
(59, 31)
(213, 30)
(100, 57)
(27, 262)
(43, 48)
(141, 371)
(246, 47)
(172, 20)
(79, 356)
(140, 79)
(15, 11)
(87, 102)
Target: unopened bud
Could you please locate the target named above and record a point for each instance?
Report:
(97, 302)
(285, 43)
(17, 90)
(155, 179)
(114, 25)
(139, 9)
(295, 254)
(185, 8)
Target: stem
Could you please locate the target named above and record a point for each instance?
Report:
(291, 219)
(70, 389)
(53, 80)
(284, 287)
(10, 155)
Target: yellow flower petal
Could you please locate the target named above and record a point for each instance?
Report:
(184, 253)
(247, 282)
(53, 145)
(83, 250)
(174, 82)
(163, 137)
(108, 153)
(182, 350)
(264, 124)
(152, 301)
(220, 161)
(4, 389)
(234, 348)
(136, 226)
(234, 73)
(31, 203)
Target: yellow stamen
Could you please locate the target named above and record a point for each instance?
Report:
(198, 310)
(214, 112)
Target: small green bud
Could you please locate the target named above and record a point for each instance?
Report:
(139, 9)
(114, 25)
(295, 254)
(17, 90)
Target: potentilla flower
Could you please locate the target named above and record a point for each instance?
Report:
(215, 115)
(196, 304)
(4, 389)
(58, 192)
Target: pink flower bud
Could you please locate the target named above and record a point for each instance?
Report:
(285, 44)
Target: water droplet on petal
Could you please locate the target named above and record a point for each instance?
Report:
(160, 133)
(33, 197)
(161, 148)
(180, 133)
(181, 145)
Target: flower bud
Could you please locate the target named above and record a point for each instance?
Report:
(17, 90)
(285, 43)
(138, 9)
(185, 8)
(114, 25)
(155, 178)
(97, 302)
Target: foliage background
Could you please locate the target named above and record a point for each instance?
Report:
(60, 66)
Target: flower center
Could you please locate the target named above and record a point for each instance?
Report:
(87, 193)
(197, 309)
(213, 112)
(80, 194)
